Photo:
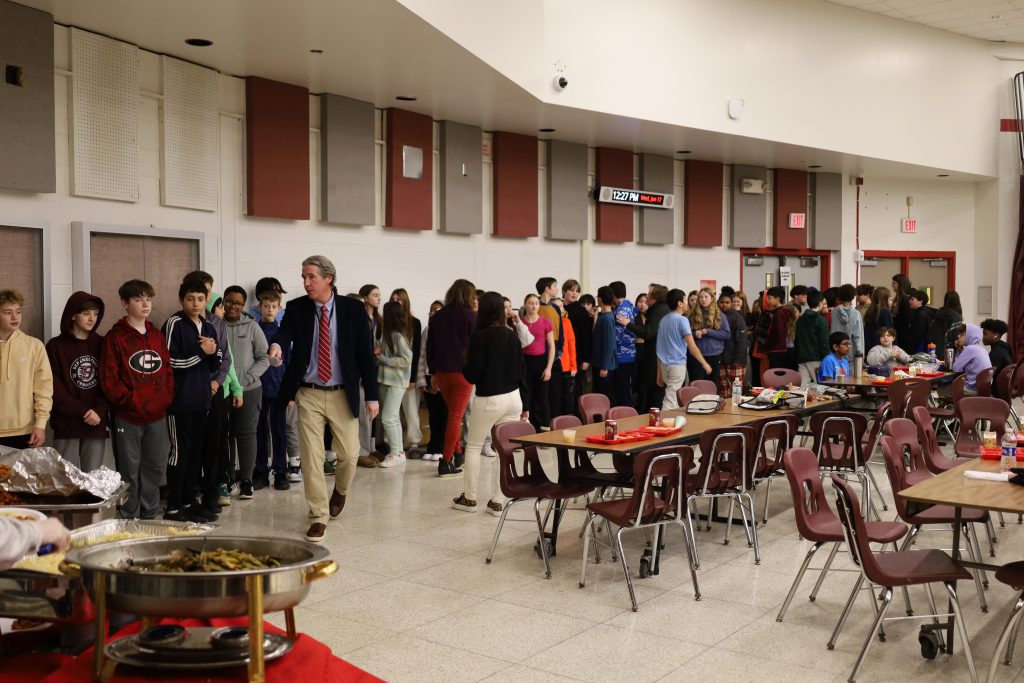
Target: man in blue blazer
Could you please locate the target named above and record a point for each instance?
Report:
(331, 353)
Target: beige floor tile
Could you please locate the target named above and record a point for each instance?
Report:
(676, 614)
(341, 635)
(501, 630)
(522, 674)
(395, 605)
(717, 666)
(404, 658)
(397, 558)
(469, 574)
(607, 653)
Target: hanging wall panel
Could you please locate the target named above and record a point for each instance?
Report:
(409, 195)
(568, 200)
(657, 174)
(749, 210)
(827, 226)
(702, 205)
(789, 193)
(614, 169)
(346, 161)
(277, 149)
(189, 150)
(515, 185)
(462, 204)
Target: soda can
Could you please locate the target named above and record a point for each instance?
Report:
(611, 429)
(655, 417)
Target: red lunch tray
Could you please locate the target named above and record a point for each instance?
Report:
(658, 431)
(930, 374)
(881, 382)
(623, 437)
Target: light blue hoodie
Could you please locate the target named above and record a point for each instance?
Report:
(973, 358)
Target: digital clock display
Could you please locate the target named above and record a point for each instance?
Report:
(620, 195)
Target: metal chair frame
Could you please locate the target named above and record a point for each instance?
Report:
(860, 469)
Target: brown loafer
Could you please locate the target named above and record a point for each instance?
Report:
(368, 461)
(316, 532)
(337, 504)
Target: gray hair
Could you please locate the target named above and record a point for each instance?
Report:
(324, 265)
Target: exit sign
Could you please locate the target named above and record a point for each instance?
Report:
(798, 220)
(909, 225)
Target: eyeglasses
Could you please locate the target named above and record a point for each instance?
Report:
(845, 343)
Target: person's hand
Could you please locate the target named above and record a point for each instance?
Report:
(707, 368)
(371, 410)
(584, 366)
(524, 416)
(410, 385)
(236, 402)
(291, 404)
(602, 373)
(621, 319)
(274, 353)
(659, 381)
(376, 352)
(572, 373)
(546, 375)
(214, 387)
(698, 333)
(515, 316)
(208, 345)
(91, 418)
(52, 531)
(37, 438)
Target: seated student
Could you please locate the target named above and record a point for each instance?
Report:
(1000, 354)
(971, 357)
(835, 363)
(886, 352)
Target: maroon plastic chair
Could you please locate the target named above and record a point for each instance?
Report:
(944, 515)
(593, 408)
(686, 394)
(780, 378)
(1002, 386)
(621, 462)
(1017, 391)
(817, 523)
(775, 436)
(903, 432)
(906, 394)
(983, 382)
(891, 570)
(937, 461)
(838, 443)
(529, 482)
(1012, 574)
(975, 410)
(725, 471)
(657, 500)
(943, 415)
(620, 412)
(706, 386)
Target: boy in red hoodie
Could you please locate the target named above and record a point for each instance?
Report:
(79, 416)
(135, 375)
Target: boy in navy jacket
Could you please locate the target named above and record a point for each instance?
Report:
(192, 344)
(273, 410)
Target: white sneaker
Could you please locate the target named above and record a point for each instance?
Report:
(432, 456)
(401, 456)
(391, 460)
(488, 452)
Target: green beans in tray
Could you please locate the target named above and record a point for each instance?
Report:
(205, 561)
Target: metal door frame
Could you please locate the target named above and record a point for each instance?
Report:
(905, 257)
(825, 256)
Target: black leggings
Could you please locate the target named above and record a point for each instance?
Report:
(694, 370)
(438, 413)
(540, 411)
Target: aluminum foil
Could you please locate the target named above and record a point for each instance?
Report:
(44, 472)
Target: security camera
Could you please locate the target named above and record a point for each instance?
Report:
(561, 83)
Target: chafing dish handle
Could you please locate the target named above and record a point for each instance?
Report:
(70, 569)
(321, 570)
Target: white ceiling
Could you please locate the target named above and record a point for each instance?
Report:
(997, 20)
(375, 50)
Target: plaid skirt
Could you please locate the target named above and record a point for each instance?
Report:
(727, 374)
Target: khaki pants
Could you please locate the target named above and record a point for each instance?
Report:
(809, 372)
(674, 377)
(487, 412)
(316, 409)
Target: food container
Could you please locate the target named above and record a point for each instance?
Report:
(76, 515)
(569, 435)
(611, 429)
(988, 439)
(25, 514)
(655, 417)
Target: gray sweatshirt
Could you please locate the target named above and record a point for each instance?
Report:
(248, 349)
(17, 539)
(847, 319)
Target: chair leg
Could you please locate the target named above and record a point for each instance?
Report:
(1013, 636)
(767, 494)
(711, 509)
(625, 567)
(977, 554)
(587, 526)
(935, 615)
(961, 627)
(728, 524)
(845, 613)
(1006, 639)
(611, 543)
(497, 532)
(824, 570)
(751, 524)
(990, 533)
(886, 601)
(874, 483)
(1002, 522)
(799, 576)
(691, 554)
(911, 536)
(540, 538)
(689, 523)
(976, 574)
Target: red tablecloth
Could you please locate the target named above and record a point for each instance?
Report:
(308, 660)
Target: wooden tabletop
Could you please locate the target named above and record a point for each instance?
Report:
(728, 416)
(866, 381)
(953, 488)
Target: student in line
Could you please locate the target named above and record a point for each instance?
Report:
(394, 363)
(811, 339)
(135, 375)
(79, 417)
(649, 394)
(845, 318)
(773, 330)
(711, 331)
(539, 358)
(369, 455)
(603, 359)
(734, 357)
(901, 289)
(411, 399)
(674, 347)
(582, 321)
(26, 381)
(865, 294)
(551, 308)
(886, 352)
(271, 427)
(836, 363)
(947, 317)
(625, 346)
(564, 403)
(877, 316)
(437, 412)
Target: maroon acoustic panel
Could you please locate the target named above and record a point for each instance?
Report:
(514, 168)
(614, 169)
(409, 195)
(277, 149)
(790, 196)
(702, 204)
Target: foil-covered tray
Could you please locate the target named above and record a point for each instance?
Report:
(42, 471)
(88, 535)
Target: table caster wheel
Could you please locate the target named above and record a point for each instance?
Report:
(645, 568)
(547, 549)
(929, 644)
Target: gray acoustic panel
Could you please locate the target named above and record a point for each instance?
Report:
(568, 199)
(827, 226)
(657, 174)
(462, 194)
(347, 156)
(749, 212)
(27, 151)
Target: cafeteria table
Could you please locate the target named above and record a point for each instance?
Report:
(728, 416)
(864, 382)
(956, 490)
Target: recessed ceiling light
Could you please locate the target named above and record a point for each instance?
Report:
(682, 151)
(996, 16)
(405, 98)
(942, 175)
(814, 166)
(198, 42)
(545, 130)
(317, 51)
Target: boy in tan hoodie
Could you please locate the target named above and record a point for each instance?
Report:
(26, 383)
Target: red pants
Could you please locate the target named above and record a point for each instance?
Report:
(456, 392)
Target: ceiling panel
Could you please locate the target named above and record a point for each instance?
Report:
(995, 20)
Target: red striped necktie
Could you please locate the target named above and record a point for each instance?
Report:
(323, 355)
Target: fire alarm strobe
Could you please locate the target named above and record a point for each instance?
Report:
(645, 198)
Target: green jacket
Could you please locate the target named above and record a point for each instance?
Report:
(231, 386)
(811, 337)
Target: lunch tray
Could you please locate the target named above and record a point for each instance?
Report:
(659, 430)
(882, 382)
(928, 375)
(623, 437)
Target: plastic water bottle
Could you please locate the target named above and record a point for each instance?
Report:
(1009, 454)
(931, 352)
(737, 391)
